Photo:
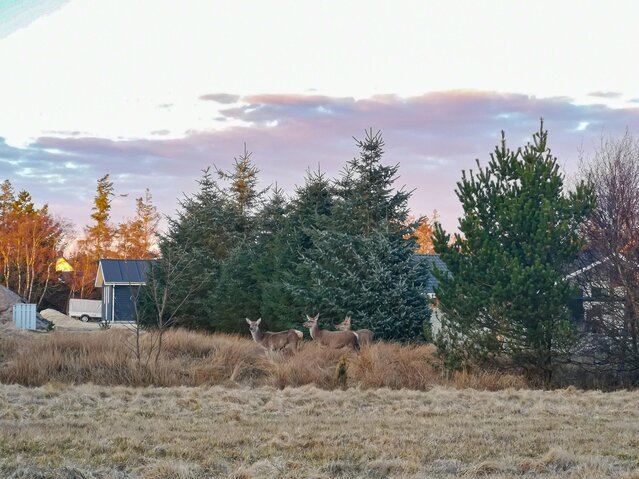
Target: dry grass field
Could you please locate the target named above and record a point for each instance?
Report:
(198, 359)
(87, 431)
(78, 406)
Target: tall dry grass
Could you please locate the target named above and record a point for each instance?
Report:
(195, 359)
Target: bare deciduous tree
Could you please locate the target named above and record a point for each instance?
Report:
(157, 304)
(612, 235)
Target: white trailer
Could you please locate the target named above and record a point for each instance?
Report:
(85, 309)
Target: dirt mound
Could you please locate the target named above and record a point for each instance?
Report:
(67, 323)
(7, 299)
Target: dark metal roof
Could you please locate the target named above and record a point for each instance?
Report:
(122, 271)
(588, 260)
(434, 262)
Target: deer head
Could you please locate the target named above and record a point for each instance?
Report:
(344, 325)
(311, 322)
(254, 326)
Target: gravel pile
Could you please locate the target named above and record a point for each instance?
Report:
(67, 323)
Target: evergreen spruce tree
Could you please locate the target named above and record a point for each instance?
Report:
(340, 248)
(237, 294)
(216, 227)
(284, 237)
(311, 208)
(242, 194)
(359, 261)
(366, 198)
(273, 260)
(312, 205)
(506, 294)
(200, 231)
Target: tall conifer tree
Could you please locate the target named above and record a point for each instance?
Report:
(199, 231)
(361, 262)
(506, 294)
(100, 235)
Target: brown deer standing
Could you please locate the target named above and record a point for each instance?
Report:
(332, 339)
(365, 336)
(275, 341)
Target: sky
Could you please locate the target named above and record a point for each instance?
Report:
(154, 91)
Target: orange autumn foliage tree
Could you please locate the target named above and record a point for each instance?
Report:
(134, 239)
(31, 240)
(423, 233)
(85, 267)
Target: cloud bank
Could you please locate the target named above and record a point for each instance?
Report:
(433, 136)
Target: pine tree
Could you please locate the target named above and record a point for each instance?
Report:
(101, 234)
(148, 217)
(23, 204)
(7, 198)
(96, 244)
(242, 192)
(506, 294)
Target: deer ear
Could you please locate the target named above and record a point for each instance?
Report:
(259, 320)
(248, 321)
(316, 317)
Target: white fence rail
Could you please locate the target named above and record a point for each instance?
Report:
(24, 316)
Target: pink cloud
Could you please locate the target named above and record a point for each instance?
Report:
(433, 136)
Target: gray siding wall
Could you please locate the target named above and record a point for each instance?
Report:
(107, 302)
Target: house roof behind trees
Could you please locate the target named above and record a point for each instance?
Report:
(586, 261)
(590, 260)
(122, 271)
(434, 262)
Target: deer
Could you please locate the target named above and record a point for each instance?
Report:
(364, 336)
(332, 339)
(275, 341)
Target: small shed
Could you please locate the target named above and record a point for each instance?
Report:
(120, 280)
